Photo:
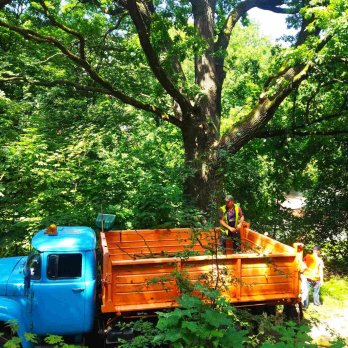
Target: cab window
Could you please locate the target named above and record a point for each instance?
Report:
(63, 266)
(34, 266)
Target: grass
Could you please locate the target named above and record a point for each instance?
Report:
(335, 290)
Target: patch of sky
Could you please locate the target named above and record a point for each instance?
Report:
(272, 25)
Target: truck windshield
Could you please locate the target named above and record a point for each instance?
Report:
(33, 266)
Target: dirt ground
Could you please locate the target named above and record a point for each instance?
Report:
(330, 320)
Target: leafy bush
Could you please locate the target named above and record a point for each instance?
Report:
(198, 324)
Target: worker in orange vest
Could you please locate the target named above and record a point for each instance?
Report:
(231, 217)
(313, 276)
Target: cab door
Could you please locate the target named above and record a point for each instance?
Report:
(58, 301)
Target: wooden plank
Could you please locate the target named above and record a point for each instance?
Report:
(158, 234)
(263, 262)
(173, 304)
(145, 250)
(266, 242)
(159, 261)
(238, 278)
(144, 297)
(260, 289)
(144, 306)
(267, 279)
(264, 297)
(144, 269)
(153, 244)
(106, 274)
(267, 271)
(134, 238)
(145, 287)
(116, 261)
(140, 278)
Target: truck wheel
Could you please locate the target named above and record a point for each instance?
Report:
(293, 312)
(270, 309)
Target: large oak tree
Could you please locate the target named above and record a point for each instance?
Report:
(168, 58)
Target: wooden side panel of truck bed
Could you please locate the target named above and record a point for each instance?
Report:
(139, 268)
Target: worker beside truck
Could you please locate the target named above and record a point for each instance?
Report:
(312, 277)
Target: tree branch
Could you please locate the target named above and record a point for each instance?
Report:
(39, 38)
(289, 80)
(3, 3)
(233, 17)
(241, 9)
(85, 88)
(296, 129)
(107, 10)
(140, 14)
(115, 27)
(291, 133)
(20, 79)
(340, 59)
(66, 29)
(282, 72)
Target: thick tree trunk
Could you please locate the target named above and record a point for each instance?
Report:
(201, 128)
(202, 183)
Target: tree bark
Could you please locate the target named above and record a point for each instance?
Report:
(201, 184)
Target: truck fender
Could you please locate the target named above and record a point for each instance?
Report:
(13, 310)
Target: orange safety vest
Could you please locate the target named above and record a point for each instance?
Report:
(313, 269)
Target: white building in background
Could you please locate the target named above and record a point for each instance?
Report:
(294, 201)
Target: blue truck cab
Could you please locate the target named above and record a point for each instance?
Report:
(53, 290)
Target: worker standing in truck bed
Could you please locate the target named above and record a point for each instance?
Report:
(231, 217)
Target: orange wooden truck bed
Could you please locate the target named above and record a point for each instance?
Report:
(138, 267)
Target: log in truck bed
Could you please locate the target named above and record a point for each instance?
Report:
(138, 268)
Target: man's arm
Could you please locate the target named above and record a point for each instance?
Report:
(224, 224)
(241, 219)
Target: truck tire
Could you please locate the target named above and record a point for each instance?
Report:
(293, 312)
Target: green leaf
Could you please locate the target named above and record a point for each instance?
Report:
(14, 342)
(233, 338)
(54, 339)
(191, 326)
(30, 337)
(173, 335)
(216, 318)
